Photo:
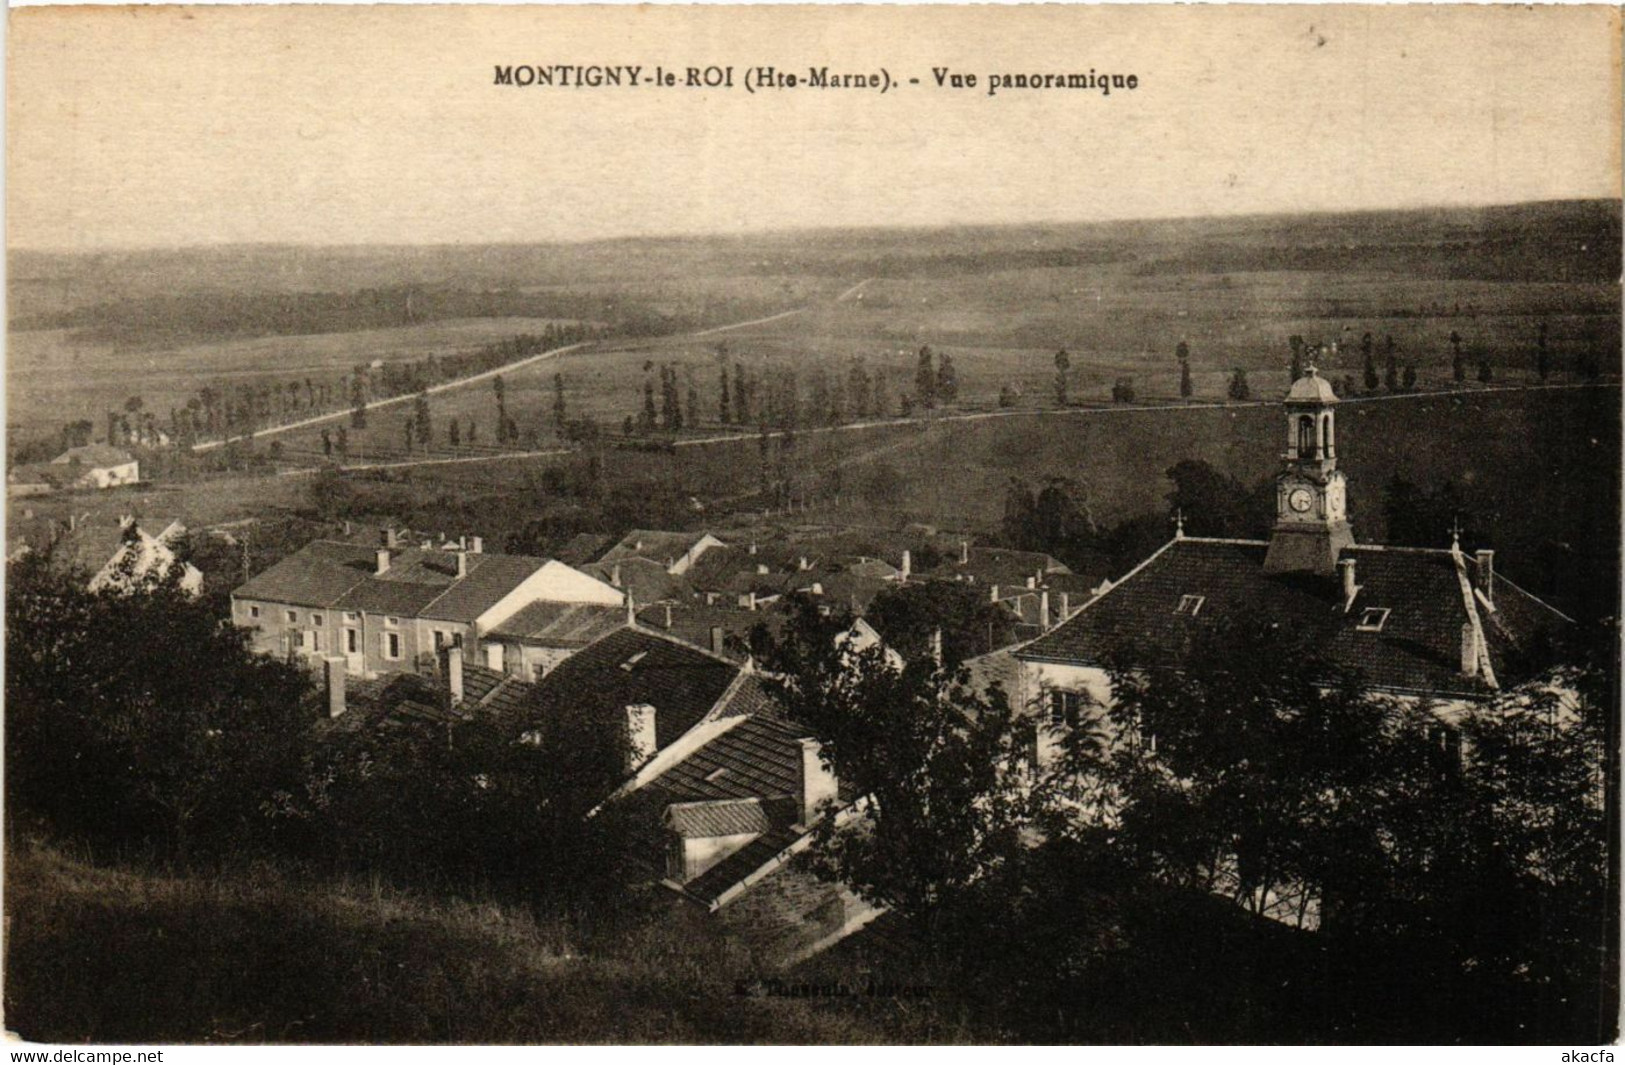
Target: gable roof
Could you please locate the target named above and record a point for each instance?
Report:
(418, 583)
(759, 758)
(631, 667)
(722, 817)
(657, 545)
(1417, 648)
(552, 624)
(95, 455)
(645, 580)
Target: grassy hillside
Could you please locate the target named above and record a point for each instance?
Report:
(113, 955)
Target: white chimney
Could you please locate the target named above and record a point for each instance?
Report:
(964, 552)
(1063, 612)
(454, 674)
(615, 575)
(476, 544)
(335, 686)
(462, 564)
(817, 782)
(1350, 589)
(1043, 611)
(1032, 582)
(716, 639)
(383, 561)
(907, 566)
(993, 593)
(391, 538)
(1486, 573)
(753, 547)
(802, 564)
(640, 735)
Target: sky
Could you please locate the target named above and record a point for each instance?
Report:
(132, 127)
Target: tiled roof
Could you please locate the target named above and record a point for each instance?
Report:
(720, 817)
(694, 621)
(418, 583)
(759, 758)
(95, 455)
(416, 696)
(661, 546)
(711, 885)
(647, 581)
(561, 624)
(631, 667)
(317, 575)
(583, 548)
(490, 577)
(1417, 649)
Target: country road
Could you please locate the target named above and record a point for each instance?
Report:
(968, 416)
(379, 404)
(486, 375)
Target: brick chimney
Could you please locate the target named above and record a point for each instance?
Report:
(462, 564)
(454, 674)
(817, 782)
(640, 735)
(1486, 573)
(334, 676)
(383, 562)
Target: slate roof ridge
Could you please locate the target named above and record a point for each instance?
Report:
(1158, 553)
(635, 626)
(1237, 541)
(1481, 649)
(1532, 597)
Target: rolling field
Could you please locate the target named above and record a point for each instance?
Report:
(52, 376)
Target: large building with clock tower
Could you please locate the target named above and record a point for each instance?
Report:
(1434, 624)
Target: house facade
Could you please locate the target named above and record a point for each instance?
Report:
(393, 608)
(99, 466)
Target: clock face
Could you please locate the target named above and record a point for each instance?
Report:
(1300, 500)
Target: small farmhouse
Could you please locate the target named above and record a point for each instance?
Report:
(98, 466)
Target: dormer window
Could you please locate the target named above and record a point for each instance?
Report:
(716, 775)
(631, 663)
(1190, 605)
(1372, 619)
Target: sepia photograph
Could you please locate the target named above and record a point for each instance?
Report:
(820, 525)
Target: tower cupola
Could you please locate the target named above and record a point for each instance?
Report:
(1311, 497)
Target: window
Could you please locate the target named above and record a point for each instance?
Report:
(349, 618)
(253, 611)
(392, 645)
(293, 617)
(1372, 619)
(1190, 604)
(392, 623)
(352, 641)
(315, 640)
(317, 620)
(1065, 708)
(439, 639)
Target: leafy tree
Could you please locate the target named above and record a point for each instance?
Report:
(947, 379)
(420, 414)
(1391, 373)
(558, 401)
(1063, 363)
(1410, 377)
(724, 405)
(140, 719)
(937, 765)
(1371, 378)
(454, 434)
(1542, 359)
(1238, 385)
(358, 404)
(1485, 374)
(1458, 363)
(1185, 387)
(925, 379)
(1212, 503)
(909, 616)
(1007, 396)
(1296, 343)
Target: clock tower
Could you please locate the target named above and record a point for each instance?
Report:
(1311, 496)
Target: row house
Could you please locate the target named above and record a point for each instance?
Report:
(392, 608)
